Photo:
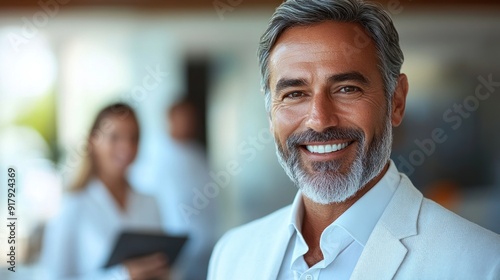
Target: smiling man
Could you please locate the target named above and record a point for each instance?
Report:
(334, 91)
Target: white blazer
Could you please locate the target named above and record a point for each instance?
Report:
(414, 239)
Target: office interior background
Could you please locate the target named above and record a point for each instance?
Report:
(61, 61)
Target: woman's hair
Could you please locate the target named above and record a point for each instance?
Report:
(375, 21)
(99, 127)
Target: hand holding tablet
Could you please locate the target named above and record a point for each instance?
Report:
(148, 267)
(137, 248)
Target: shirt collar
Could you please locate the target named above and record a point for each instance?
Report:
(360, 219)
(296, 214)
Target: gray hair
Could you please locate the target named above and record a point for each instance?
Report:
(376, 22)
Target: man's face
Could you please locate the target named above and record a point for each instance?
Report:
(329, 114)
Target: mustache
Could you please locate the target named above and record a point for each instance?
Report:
(329, 134)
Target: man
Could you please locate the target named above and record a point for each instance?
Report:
(184, 170)
(333, 89)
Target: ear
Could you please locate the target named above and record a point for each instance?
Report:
(399, 100)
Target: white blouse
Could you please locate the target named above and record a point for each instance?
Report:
(78, 242)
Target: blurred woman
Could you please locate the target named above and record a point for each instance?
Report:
(79, 241)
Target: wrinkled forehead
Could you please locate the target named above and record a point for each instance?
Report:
(338, 45)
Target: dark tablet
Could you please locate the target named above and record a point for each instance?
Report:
(136, 244)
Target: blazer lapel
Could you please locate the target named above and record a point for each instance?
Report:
(277, 244)
(384, 251)
(276, 247)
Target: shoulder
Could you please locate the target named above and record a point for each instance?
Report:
(445, 230)
(455, 231)
(449, 244)
(243, 248)
(438, 243)
(436, 222)
(269, 223)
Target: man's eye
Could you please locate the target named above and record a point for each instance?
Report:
(294, 94)
(348, 89)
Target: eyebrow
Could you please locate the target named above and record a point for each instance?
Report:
(284, 83)
(349, 76)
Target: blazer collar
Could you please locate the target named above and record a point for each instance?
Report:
(384, 251)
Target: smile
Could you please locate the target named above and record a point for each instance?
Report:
(323, 149)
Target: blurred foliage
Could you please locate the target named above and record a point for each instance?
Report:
(41, 116)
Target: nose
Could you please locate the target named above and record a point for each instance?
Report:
(322, 113)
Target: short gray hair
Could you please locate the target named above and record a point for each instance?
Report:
(376, 22)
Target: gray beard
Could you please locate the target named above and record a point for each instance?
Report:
(328, 184)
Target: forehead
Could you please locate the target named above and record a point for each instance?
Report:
(330, 46)
(119, 122)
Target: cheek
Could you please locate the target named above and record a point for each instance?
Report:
(134, 149)
(284, 122)
(372, 123)
(365, 115)
(102, 150)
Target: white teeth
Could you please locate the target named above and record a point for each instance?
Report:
(322, 149)
(329, 148)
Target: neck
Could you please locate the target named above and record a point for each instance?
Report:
(117, 187)
(319, 216)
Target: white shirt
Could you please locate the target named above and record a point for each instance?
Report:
(79, 241)
(342, 241)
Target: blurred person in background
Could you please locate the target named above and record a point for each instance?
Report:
(183, 171)
(79, 240)
(334, 91)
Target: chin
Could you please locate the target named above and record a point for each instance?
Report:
(330, 195)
